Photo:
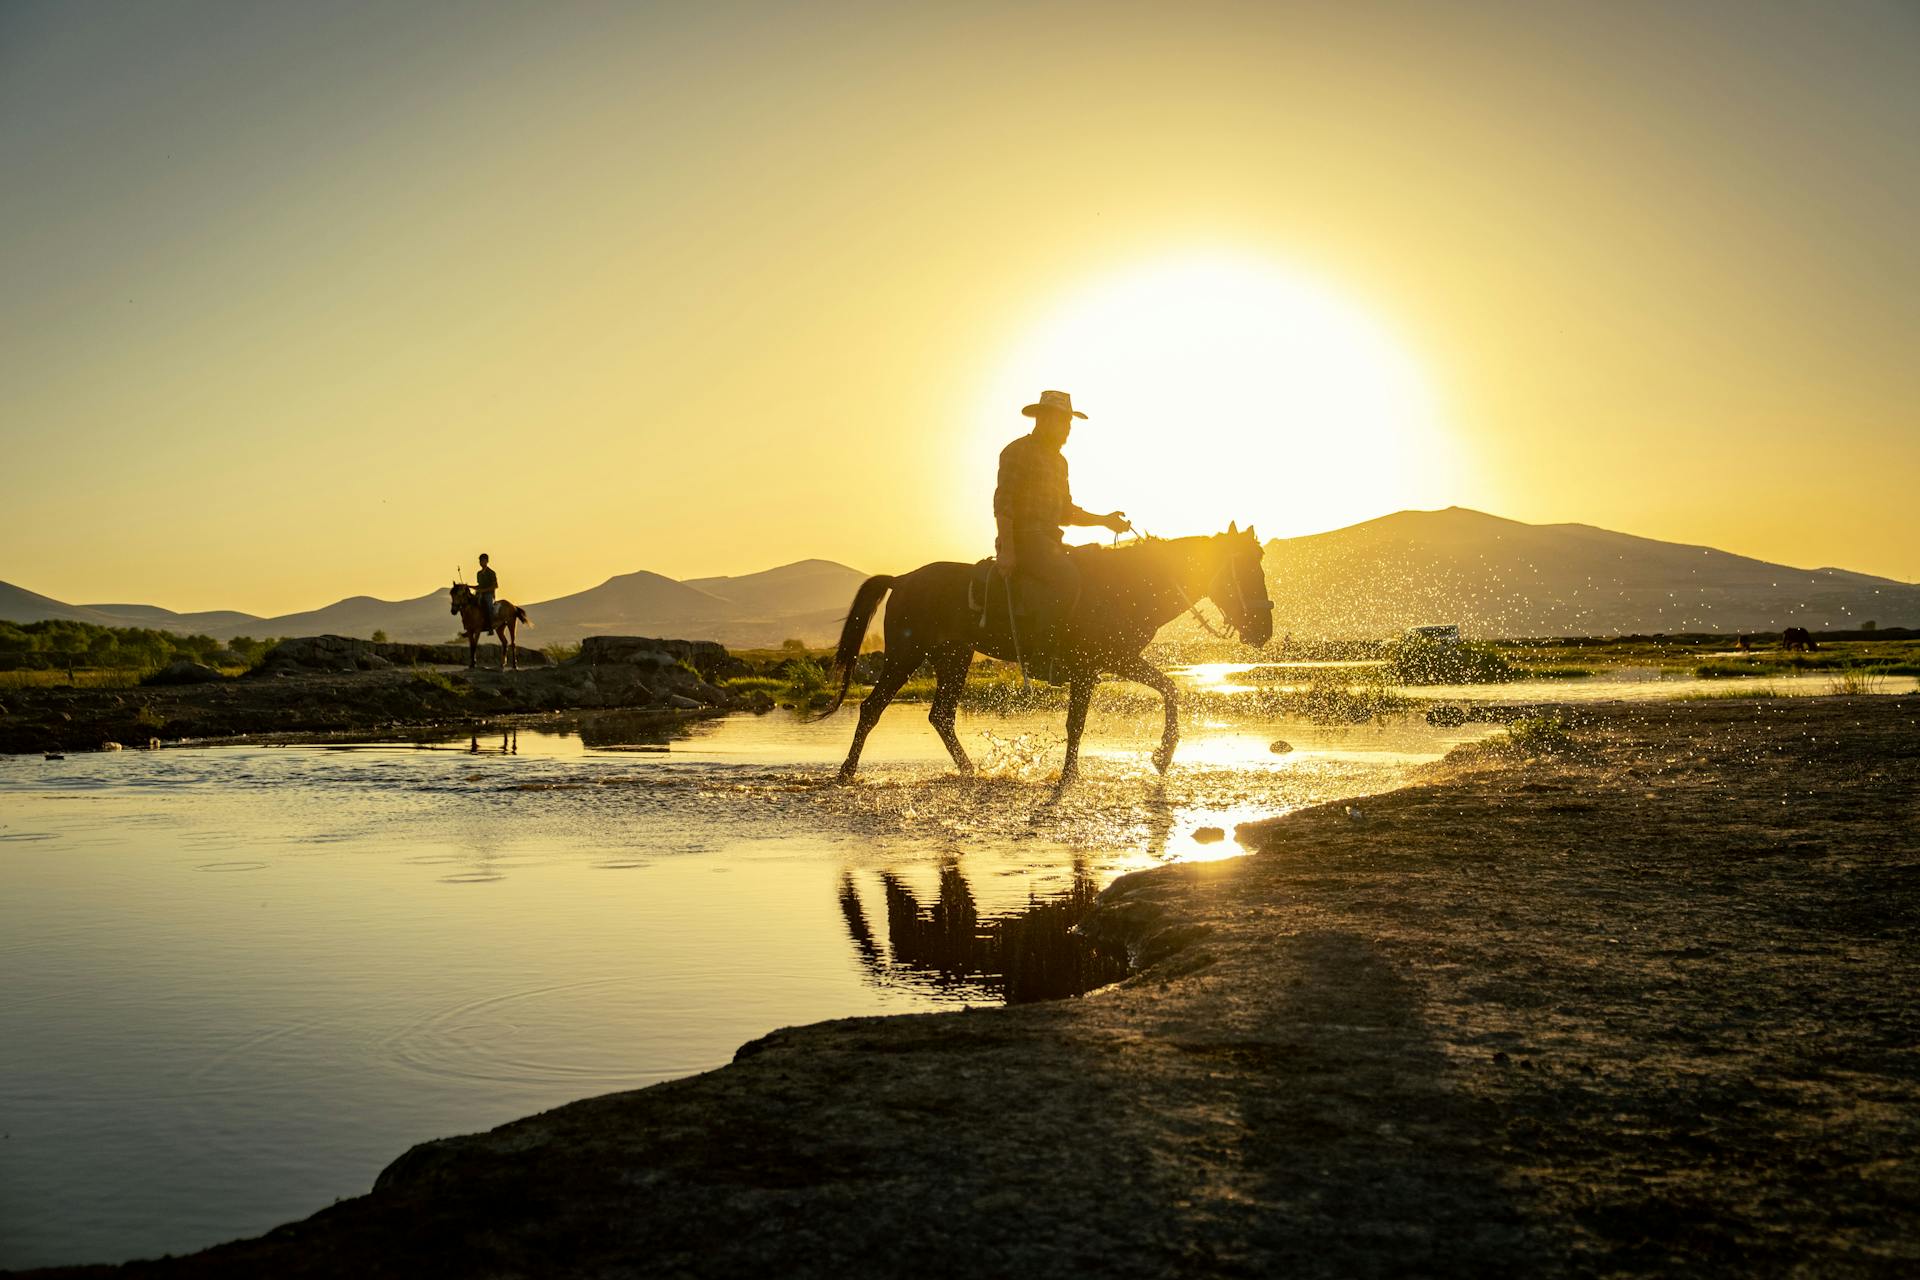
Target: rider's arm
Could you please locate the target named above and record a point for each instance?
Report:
(1114, 520)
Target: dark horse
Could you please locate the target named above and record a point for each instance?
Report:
(1127, 594)
(474, 621)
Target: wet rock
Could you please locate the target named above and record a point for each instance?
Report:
(1279, 747)
(1209, 835)
(318, 653)
(1447, 717)
(683, 702)
(704, 656)
(184, 671)
(111, 746)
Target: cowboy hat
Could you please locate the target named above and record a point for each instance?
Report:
(1053, 400)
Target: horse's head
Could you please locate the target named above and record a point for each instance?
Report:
(461, 595)
(1239, 585)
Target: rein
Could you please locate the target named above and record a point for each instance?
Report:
(1193, 606)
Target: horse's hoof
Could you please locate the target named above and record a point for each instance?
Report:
(1163, 760)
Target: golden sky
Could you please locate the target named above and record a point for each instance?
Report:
(303, 301)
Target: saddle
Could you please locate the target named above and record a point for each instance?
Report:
(999, 612)
(986, 588)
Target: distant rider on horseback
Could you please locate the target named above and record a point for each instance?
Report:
(1030, 504)
(486, 583)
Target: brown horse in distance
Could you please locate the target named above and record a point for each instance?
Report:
(474, 621)
(1127, 594)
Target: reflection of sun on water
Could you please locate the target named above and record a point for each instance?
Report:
(1221, 388)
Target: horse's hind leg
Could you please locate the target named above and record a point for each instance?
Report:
(950, 677)
(892, 675)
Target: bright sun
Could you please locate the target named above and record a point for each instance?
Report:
(1221, 388)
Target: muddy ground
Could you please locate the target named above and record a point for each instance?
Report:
(1643, 1005)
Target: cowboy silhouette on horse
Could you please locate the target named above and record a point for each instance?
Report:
(1091, 611)
(1031, 504)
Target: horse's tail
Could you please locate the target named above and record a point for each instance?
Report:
(521, 614)
(853, 632)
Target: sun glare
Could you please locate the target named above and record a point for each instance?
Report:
(1224, 388)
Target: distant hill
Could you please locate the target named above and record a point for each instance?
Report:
(423, 618)
(616, 603)
(1500, 577)
(805, 600)
(17, 604)
(792, 588)
(158, 619)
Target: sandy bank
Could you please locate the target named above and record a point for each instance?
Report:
(1641, 1007)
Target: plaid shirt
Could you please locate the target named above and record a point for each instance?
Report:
(1032, 496)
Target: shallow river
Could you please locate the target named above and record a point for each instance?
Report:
(241, 980)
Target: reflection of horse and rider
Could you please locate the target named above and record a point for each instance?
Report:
(480, 610)
(1070, 613)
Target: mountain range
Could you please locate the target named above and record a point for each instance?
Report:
(804, 600)
(1495, 577)
(1498, 577)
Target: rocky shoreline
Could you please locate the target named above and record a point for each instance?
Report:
(1640, 1005)
(329, 685)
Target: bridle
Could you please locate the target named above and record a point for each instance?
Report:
(1193, 606)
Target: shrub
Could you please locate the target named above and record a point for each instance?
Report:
(805, 681)
(1852, 680)
(1424, 660)
(1538, 736)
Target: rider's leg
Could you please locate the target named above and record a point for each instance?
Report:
(1052, 586)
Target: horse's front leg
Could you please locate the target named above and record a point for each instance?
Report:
(1079, 696)
(1140, 671)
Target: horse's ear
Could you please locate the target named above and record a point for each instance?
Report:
(1253, 535)
(1233, 526)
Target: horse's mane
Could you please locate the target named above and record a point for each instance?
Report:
(1146, 542)
(1144, 548)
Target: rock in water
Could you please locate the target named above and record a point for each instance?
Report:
(1279, 746)
(1208, 835)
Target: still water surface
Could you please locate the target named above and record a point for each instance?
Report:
(241, 980)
